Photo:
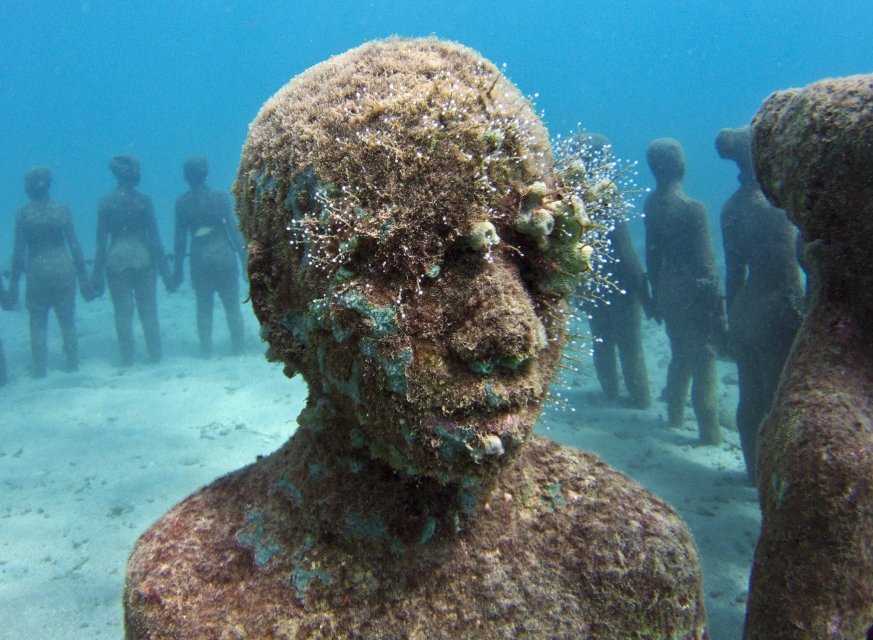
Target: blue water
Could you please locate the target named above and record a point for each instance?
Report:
(82, 81)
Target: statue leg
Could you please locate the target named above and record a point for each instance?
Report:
(147, 305)
(122, 303)
(628, 332)
(65, 309)
(704, 394)
(678, 380)
(3, 378)
(748, 415)
(604, 353)
(204, 294)
(38, 308)
(229, 294)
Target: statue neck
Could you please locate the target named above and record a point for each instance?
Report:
(336, 487)
(746, 176)
(672, 186)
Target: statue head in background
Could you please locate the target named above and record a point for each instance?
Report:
(666, 159)
(37, 182)
(195, 170)
(736, 145)
(125, 168)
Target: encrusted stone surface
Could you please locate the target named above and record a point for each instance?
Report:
(813, 152)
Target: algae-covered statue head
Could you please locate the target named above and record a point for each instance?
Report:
(412, 244)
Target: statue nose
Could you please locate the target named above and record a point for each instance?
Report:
(499, 331)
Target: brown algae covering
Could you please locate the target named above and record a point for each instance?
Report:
(408, 170)
(412, 243)
(813, 153)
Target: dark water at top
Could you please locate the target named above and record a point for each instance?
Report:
(82, 81)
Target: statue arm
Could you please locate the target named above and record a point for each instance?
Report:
(156, 247)
(5, 301)
(19, 250)
(97, 276)
(75, 248)
(714, 301)
(232, 225)
(735, 262)
(234, 237)
(180, 244)
(634, 277)
(19, 258)
(653, 263)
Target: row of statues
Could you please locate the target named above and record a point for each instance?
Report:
(129, 257)
(763, 294)
(754, 321)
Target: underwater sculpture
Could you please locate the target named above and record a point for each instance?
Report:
(129, 254)
(681, 269)
(48, 252)
(615, 318)
(205, 214)
(763, 293)
(813, 154)
(5, 304)
(411, 249)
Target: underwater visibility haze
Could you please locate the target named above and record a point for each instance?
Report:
(118, 107)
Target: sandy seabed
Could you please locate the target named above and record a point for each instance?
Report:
(88, 460)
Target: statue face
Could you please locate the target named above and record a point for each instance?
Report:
(126, 170)
(666, 159)
(411, 249)
(444, 377)
(735, 144)
(37, 182)
(195, 170)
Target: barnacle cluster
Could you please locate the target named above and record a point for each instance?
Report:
(604, 185)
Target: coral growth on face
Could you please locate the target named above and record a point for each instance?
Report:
(412, 244)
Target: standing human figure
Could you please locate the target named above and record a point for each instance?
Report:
(46, 249)
(5, 304)
(206, 215)
(615, 319)
(763, 292)
(681, 269)
(129, 254)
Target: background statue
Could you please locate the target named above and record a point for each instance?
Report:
(46, 249)
(129, 253)
(763, 293)
(685, 288)
(206, 216)
(5, 304)
(813, 153)
(423, 298)
(615, 318)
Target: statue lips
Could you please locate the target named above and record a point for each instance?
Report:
(498, 424)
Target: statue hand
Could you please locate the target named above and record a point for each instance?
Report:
(8, 298)
(98, 284)
(170, 283)
(87, 290)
